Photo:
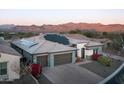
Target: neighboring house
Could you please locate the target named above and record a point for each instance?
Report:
(38, 50)
(9, 63)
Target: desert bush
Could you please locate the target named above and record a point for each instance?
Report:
(105, 60)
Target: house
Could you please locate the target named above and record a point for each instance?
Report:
(9, 63)
(38, 50)
(86, 48)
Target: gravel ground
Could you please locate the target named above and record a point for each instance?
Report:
(100, 69)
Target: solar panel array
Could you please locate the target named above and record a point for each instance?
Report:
(28, 43)
(57, 38)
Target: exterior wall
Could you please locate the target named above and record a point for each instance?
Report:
(13, 65)
(51, 57)
(16, 48)
(51, 60)
(88, 53)
(28, 56)
(24, 53)
(79, 47)
(74, 56)
(97, 47)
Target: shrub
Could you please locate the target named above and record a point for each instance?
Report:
(91, 34)
(105, 60)
(75, 32)
(96, 56)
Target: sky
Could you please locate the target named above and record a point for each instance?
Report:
(40, 17)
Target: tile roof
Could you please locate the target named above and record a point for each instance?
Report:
(89, 42)
(8, 50)
(42, 46)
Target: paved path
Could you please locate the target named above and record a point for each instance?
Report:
(84, 62)
(71, 74)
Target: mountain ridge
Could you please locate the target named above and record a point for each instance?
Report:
(68, 27)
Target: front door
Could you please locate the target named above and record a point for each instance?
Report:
(83, 52)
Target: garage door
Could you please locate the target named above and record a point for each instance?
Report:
(43, 60)
(62, 59)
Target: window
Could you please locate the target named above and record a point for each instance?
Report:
(3, 68)
(94, 51)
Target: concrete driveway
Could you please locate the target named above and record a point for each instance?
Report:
(71, 74)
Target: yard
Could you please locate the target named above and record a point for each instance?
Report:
(100, 69)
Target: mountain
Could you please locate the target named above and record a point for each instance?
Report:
(7, 26)
(32, 28)
(70, 26)
(82, 26)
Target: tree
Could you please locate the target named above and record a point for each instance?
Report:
(104, 33)
(77, 31)
(90, 34)
(118, 42)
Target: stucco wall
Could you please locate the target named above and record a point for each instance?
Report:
(88, 53)
(79, 47)
(97, 47)
(13, 65)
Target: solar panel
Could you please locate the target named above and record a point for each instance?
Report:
(57, 38)
(28, 43)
